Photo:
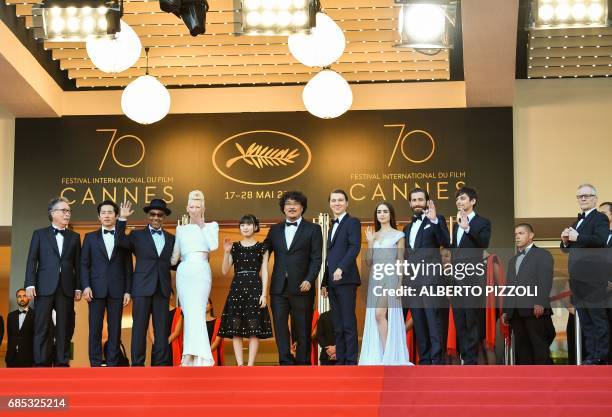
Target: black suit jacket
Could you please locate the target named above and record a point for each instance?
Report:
(301, 262)
(19, 350)
(478, 238)
(587, 260)
(45, 269)
(342, 253)
(151, 268)
(106, 277)
(429, 239)
(536, 271)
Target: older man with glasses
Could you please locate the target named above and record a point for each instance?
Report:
(52, 280)
(588, 280)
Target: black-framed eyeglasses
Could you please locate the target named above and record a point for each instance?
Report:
(585, 196)
(65, 211)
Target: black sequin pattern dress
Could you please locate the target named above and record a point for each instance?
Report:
(242, 315)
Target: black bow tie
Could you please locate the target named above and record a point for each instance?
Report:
(62, 232)
(522, 252)
(23, 311)
(336, 221)
(581, 216)
(291, 224)
(153, 231)
(417, 218)
(112, 232)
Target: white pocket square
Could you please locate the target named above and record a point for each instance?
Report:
(427, 226)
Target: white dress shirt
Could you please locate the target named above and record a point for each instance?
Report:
(414, 230)
(22, 317)
(586, 213)
(159, 240)
(336, 225)
(109, 241)
(460, 230)
(290, 231)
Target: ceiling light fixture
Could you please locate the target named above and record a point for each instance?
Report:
(558, 14)
(274, 17)
(61, 20)
(425, 25)
(192, 12)
(115, 55)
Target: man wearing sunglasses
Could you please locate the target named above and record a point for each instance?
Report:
(151, 282)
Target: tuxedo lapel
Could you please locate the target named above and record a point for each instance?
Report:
(53, 241)
(167, 247)
(149, 238)
(419, 237)
(337, 230)
(101, 244)
(297, 235)
(67, 238)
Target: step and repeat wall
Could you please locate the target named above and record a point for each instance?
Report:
(243, 163)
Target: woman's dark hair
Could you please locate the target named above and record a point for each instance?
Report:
(293, 195)
(212, 308)
(391, 215)
(250, 219)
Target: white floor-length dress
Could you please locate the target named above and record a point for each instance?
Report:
(193, 283)
(395, 350)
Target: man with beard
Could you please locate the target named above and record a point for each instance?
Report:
(20, 334)
(425, 235)
(151, 282)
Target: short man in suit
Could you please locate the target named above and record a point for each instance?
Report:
(471, 235)
(606, 208)
(106, 274)
(52, 278)
(341, 277)
(151, 281)
(20, 333)
(584, 241)
(425, 235)
(530, 317)
(297, 246)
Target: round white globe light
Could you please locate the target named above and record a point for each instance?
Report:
(322, 47)
(145, 100)
(327, 95)
(115, 55)
(579, 11)
(424, 22)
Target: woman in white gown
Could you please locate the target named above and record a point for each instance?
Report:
(193, 243)
(384, 333)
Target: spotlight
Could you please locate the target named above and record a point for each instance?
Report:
(425, 25)
(274, 17)
(62, 20)
(557, 14)
(193, 13)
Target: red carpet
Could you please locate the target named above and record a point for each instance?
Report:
(449, 391)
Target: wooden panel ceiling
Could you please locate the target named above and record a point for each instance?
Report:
(219, 58)
(570, 53)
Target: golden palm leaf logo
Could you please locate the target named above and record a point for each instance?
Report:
(260, 156)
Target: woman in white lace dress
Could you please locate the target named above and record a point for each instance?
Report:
(384, 334)
(193, 243)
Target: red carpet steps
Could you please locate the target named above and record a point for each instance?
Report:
(449, 391)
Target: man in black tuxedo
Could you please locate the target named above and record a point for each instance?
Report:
(20, 334)
(106, 274)
(530, 317)
(341, 277)
(52, 278)
(471, 235)
(297, 245)
(425, 235)
(606, 208)
(588, 277)
(151, 281)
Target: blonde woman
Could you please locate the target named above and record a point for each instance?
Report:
(194, 242)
